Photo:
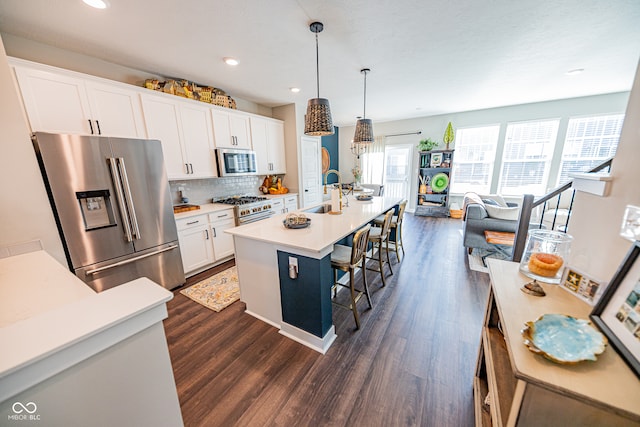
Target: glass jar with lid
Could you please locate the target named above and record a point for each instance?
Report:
(545, 255)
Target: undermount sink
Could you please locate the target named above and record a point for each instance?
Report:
(321, 209)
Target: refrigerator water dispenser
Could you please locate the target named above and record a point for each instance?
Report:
(96, 208)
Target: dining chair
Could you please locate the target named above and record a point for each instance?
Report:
(378, 190)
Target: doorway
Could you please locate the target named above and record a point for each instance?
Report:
(397, 169)
(311, 171)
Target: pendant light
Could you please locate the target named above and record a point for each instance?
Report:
(364, 126)
(317, 121)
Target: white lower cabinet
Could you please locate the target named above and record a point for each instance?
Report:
(203, 241)
(194, 238)
(290, 204)
(222, 242)
(277, 205)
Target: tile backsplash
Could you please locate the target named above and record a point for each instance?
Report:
(200, 191)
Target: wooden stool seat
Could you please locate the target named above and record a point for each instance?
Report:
(395, 234)
(347, 259)
(379, 236)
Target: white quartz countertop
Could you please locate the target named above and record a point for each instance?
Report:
(204, 209)
(325, 229)
(278, 196)
(50, 319)
(33, 283)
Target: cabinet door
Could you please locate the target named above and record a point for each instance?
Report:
(222, 129)
(116, 111)
(195, 247)
(275, 144)
(277, 205)
(162, 119)
(259, 142)
(240, 129)
(54, 103)
(291, 204)
(222, 242)
(198, 140)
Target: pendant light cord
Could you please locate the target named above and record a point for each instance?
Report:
(364, 112)
(317, 67)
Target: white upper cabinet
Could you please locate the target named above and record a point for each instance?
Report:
(267, 137)
(184, 128)
(63, 103)
(198, 140)
(230, 129)
(162, 117)
(117, 111)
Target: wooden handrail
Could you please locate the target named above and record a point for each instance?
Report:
(529, 203)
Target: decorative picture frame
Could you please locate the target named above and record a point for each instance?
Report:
(617, 313)
(582, 285)
(436, 160)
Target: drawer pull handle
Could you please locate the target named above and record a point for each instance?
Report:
(193, 222)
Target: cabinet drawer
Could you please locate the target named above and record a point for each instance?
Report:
(221, 216)
(191, 222)
(223, 223)
(292, 199)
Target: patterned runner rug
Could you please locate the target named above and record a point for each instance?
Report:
(216, 292)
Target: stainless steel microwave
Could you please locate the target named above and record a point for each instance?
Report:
(234, 162)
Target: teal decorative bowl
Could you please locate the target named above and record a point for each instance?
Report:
(563, 339)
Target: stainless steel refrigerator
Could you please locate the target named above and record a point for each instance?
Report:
(112, 204)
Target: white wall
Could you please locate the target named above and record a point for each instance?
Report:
(39, 52)
(595, 223)
(433, 127)
(25, 211)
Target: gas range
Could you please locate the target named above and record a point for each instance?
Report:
(249, 209)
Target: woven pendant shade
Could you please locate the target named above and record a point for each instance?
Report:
(318, 121)
(364, 132)
(364, 126)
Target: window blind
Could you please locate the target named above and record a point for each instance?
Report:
(589, 141)
(474, 159)
(527, 156)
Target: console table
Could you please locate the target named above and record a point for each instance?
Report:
(514, 387)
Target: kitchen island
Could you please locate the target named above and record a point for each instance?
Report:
(72, 356)
(299, 306)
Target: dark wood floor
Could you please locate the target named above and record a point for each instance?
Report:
(411, 364)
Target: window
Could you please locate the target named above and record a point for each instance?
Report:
(474, 158)
(527, 156)
(589, 141)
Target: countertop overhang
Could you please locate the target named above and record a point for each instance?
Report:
(325, 229)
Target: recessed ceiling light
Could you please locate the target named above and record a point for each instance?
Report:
(98, 4)
(294, 89)
(574, 72)
(231, 61)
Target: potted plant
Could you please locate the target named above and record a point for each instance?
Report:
(448, 135)
(427, 145)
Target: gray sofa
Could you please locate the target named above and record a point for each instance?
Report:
(476, 220)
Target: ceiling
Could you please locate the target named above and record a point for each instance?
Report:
(426, 56)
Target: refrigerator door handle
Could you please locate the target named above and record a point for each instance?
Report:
(120, 197)
(130, 260)
(127, 193)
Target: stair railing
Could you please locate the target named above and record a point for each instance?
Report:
(529, 203)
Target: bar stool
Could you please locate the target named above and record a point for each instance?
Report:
(379, 236)
(346, 259)
(395, 236)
